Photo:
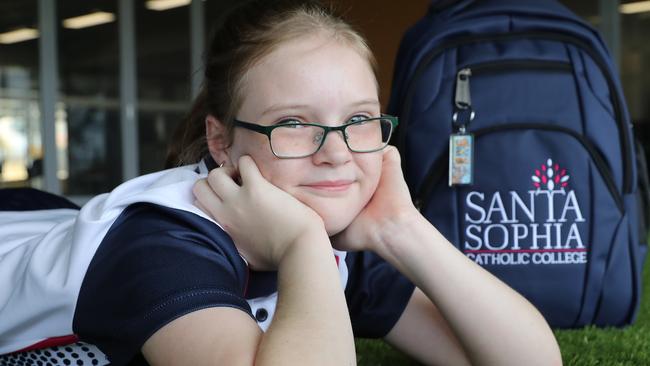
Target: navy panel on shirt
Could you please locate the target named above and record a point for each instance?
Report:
(154, 265)
(27, 199)
(261, 283)
(377, 294)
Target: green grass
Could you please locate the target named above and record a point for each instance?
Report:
(582, 347)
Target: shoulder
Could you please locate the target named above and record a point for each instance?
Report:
(150, 229)
(168, 188)
(154, 265)
(149, 238)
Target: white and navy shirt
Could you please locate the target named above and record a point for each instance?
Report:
(110, 275)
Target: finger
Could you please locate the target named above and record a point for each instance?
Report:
(222, 183)
(391, 155)
(198, 204)
(248, 170)
(391, 166)
(231, 171)
(206, 197)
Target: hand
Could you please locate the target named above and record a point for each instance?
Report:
(389, 206)
(262, 220)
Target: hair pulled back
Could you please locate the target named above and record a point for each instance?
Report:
(249, 33)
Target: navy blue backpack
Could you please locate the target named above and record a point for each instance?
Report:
(517, 145)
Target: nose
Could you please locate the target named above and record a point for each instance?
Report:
(334, 150)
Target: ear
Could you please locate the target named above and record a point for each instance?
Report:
(217, 139)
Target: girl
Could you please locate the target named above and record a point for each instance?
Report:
(229, 260)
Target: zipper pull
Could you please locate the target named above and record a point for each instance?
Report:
(463, 97)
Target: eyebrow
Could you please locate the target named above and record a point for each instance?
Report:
(282, 107)
(373, 102)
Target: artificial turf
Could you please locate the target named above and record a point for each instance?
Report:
(589, 346)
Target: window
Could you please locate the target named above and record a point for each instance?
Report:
(20, 129)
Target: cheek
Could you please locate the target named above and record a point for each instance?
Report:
(256, 147)
(371, 168)
(280, 172)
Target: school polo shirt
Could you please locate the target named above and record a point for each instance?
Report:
(135, 259)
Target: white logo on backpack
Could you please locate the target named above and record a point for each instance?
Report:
(516, 234)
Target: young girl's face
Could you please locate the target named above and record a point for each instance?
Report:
(319, 80)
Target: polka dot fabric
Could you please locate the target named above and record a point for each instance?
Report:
(77, 354)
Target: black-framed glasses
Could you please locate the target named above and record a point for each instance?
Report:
(299, 140)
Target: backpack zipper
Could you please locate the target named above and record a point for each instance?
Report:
(463, 98)
(550, 36)
(517, 64)
(437, 169)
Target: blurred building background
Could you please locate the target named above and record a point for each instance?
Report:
(91, 90)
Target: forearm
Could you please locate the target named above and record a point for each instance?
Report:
(311, 324)
(495, 325)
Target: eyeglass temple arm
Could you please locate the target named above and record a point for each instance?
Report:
(265, 130)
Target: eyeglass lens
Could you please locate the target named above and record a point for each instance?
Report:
(304, 140)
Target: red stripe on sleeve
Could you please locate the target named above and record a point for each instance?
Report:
(52, 342)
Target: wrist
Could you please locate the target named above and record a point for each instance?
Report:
(404, 236)
(394, 228)
(312, 239)
(285, 238)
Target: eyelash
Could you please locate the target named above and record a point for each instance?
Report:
(361, 115)
(289, 120)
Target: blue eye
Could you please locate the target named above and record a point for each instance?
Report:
(290, 122)
(358, 118)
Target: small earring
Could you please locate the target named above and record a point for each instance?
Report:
(221, 164)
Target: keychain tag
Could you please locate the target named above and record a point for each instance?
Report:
(461, 159)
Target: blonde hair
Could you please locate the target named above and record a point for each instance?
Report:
(251, 32)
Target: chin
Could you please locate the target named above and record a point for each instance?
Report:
(334, 224)
(334, 229)
(336, 216)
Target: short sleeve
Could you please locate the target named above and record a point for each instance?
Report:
(376, 293)
(154, 265)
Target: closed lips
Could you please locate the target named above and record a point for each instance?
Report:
(330, 184)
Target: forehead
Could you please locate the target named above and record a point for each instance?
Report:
(318, 73)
